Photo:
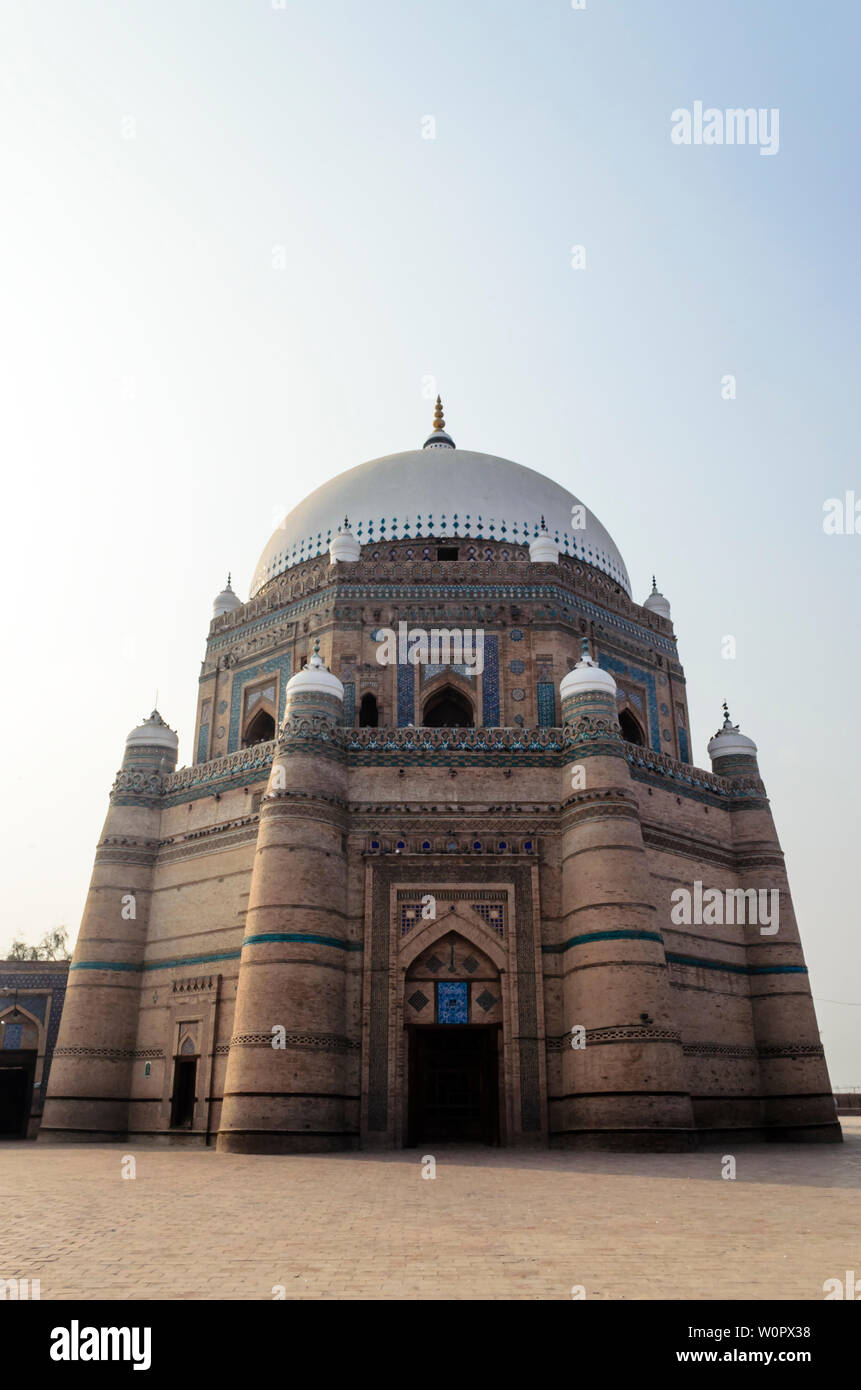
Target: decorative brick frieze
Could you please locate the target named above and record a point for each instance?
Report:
(320, 1042)
(112, 1054)
(622, 1033)
(195, 984)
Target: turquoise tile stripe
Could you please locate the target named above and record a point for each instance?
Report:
(155, 964)
(264, 937)
(698, 961)
(621, 935)
(737, 969)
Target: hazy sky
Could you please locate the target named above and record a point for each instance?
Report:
(169, 390)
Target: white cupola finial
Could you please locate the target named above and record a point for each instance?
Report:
(729, 742)
(153, 733)
(315, 677)
(344, 547)
(542, 548)
(587, 675)
(656, 603)
(226, 601)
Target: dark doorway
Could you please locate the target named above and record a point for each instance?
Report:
(369, 715)
(184, 1077)
(631, 731)
(16, 1091)
(448, 709)
(454, 1084)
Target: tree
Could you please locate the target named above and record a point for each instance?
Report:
(53, 946)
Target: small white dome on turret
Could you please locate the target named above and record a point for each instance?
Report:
(153, 733)
(729, 743)
(587, 675)
(315, 677)
(656, 603)
(225, 602)
(542, 548)
(344, 546)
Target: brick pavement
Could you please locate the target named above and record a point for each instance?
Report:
(491, 1224)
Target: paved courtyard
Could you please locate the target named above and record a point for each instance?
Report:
(491, 1224)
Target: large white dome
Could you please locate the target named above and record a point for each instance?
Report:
(438, 491)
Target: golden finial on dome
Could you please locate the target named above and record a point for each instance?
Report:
(438, 421)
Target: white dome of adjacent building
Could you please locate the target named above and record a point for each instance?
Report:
(443, 492)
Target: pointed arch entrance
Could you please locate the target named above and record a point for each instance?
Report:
(452, 1015)
(413, 901)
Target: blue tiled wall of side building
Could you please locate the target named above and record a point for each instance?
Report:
(55, 985)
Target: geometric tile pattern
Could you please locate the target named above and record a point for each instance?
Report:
(493, 914)
(546, 705)
(410, 914)
(406, 693)
(490, 682)
(452, 1001)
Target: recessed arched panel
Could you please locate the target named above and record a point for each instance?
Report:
(369, 713)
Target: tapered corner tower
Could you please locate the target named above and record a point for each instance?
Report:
(624, 1082)
(284, 1090)
(796, 1101)
(90, 1084)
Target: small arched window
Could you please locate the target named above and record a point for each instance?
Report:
(448, 709)
(631, 731)
(260, 729)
